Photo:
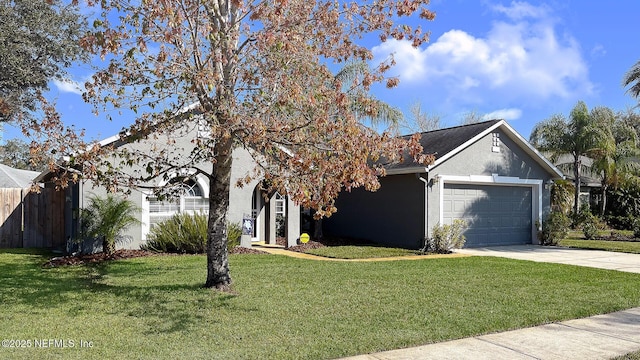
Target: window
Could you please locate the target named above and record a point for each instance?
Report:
(495, 145)
(192, 199)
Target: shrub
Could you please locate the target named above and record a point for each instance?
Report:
(554, 228)
(234, 232)
(582, 216)
(186, 234)
(591, 227)
(620, 222)
(590, 224)
(107, 218)
(635, 226)
(446, 237)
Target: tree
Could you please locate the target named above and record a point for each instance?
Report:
(259, 76)
(471, 117)
(420, 120)
(632, 79)
(617, 152)
(106, 218)
(38, 40)
(577, 137)
(16, 153)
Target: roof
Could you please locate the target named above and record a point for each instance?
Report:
(16, 178)
(445, 143)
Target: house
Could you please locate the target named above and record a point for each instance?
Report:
(247, 202)
(485, 173)
(590, 181)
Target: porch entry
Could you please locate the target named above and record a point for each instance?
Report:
(274, 217)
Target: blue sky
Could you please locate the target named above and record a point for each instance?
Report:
(520, 61)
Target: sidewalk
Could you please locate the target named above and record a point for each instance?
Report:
(596, 337)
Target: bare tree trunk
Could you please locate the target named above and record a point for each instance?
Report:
(576, 172)
(603, 205)
(108, 247)
(217, 255)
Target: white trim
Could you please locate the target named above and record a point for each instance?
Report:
(497, 180)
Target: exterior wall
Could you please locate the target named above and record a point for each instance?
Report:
(393, 215)
(178, 144)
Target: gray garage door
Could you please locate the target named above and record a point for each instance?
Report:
(495, 215)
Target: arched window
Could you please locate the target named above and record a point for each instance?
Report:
(191, 199)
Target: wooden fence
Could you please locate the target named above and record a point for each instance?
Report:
(30, 219)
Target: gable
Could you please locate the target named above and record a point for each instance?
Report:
(472, 145)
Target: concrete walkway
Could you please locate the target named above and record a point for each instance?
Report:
(597, 337)
(589, 258)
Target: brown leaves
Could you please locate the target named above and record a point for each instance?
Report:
(261, 74)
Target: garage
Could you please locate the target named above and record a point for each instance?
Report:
(495, 214)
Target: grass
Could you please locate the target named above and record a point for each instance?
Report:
(630, 356)
(360, 252)
(576, 240)
(154, 307)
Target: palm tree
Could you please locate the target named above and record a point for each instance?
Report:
(632, 77)
(616, 158)
(578, 137)
(363, 104)
(106, 218)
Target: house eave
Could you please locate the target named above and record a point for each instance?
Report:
(409, 170)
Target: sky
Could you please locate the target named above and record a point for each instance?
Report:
(514, 60)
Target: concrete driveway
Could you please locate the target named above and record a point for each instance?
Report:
(589, 258)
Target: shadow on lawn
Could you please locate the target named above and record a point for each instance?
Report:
(133, 288)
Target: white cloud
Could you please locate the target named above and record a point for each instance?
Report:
(520, 10)
(69, 86)
(410, 61)
(521, 58)
(504, 114)
(598, 50)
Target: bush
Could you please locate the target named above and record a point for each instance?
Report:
(554, 228)
(620, 222)
(590, 224)
(591, 227)
(446, 237)
(579, 218)
(636, 228)
(186, 234)
(234, 232)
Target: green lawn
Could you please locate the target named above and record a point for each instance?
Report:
(287, 308)
(576, 240)
(360, 252)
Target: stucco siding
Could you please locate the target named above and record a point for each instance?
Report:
(179, 146)
(393, 215)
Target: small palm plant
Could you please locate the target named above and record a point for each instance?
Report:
(106, 218)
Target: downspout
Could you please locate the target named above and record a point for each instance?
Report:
(426, 205)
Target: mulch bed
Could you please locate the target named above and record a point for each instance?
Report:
(328, 241)
(123, 254)
(244, 250)
(127, 254)
(616, 236)
(96, 258)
